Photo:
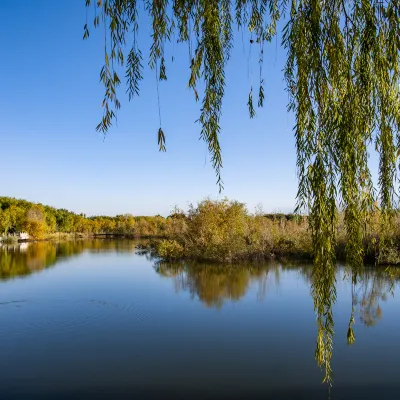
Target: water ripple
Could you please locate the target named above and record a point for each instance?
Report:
(64, 314)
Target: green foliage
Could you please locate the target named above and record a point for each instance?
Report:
(5, 221)
(170, 250)
(216, 230)
(250, 104)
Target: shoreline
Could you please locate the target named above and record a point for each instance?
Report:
(154, 241)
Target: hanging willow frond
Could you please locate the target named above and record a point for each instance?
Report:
(342, 77)
(163, 75)
(252, 112)
(261, 94)
(133, 74)
(161, 140)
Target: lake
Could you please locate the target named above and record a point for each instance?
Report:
(103, 319)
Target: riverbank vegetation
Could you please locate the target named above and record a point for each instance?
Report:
(223, 231)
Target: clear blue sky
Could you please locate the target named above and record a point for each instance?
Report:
(51, 103)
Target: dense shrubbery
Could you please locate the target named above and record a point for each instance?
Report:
(225, 231)
(170, 250)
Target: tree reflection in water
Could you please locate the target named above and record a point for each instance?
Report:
(215, 284)
(23, 259)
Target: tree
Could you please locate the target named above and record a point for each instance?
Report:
(65, 220)
(81, 224)
(35, 222)
(125, 224)
(51, 222)
(5, 221)
(342, 75)
(11, 219)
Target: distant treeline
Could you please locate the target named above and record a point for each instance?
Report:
(40, 220)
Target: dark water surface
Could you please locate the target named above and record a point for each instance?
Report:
(97, 319)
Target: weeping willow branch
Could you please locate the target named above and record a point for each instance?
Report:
(342, 77)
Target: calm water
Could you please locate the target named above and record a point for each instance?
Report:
(97, 319)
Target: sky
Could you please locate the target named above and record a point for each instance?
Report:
(51, 104)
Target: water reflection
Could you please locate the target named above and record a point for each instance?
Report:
(215, 285)
(368, 296)
(369, 289)
(23, 259)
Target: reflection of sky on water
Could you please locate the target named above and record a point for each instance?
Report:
(99, 314)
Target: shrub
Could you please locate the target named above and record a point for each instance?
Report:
(216, 230)
(170, 250)
(224, 231)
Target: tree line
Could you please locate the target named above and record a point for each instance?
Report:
(40, 221)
